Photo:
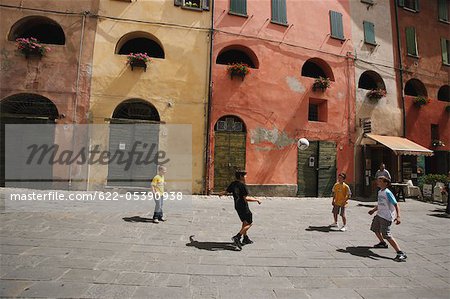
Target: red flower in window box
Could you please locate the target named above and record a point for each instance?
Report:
(238, 69)
(420, 101)
(138, 60)
(31, 47)
(321, 83)
(376, 94)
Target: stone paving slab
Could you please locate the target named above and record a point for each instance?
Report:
(95, 254)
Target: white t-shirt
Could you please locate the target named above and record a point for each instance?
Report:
(386, 205)
(384, 173)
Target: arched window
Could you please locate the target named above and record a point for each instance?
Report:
(43, 29)
(315, 68)
(415, 88)
(140, 42)
(28, 105)
(371, 80)
(230, 123)
(136, 109)
(444, 93)
(237, 54)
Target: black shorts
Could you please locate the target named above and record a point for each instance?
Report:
(246, 216)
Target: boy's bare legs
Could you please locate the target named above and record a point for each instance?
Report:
(380, 237)
(344, 220)
(335, 216)
(394, 244)
(245, 227)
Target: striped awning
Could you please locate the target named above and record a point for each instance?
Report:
(400, 145)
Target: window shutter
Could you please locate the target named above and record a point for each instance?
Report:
(337, 28)
(401, 3)
(411, 45)
(177, 2)
(369, 33)
(443, 10)
(417, 5)
(279, 14)
(444, 47)
(238, 6)
(205, 4)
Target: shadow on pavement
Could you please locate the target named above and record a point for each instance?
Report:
(323, 229)
(442, 215)
(365, 205)
(137, 219)
(211, 246)
(363, 251)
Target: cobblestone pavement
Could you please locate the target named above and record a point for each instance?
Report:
(94, 254)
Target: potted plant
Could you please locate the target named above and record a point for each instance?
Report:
(31, 47)
(420, 101)
(238, 69)
(190, 4)
(436, 143)
(376, 94)
(321, 83)
(138, 60)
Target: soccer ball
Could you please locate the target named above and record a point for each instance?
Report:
(302, 144)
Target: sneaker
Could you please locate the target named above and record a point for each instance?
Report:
(343, 229)
(246, 240)
(237, 242)
(162, 219)
(333, 225)
(155, 221)
(381, 245)
(401, 257)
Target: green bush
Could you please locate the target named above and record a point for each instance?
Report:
(431, 179)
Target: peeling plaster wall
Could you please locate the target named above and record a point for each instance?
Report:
(273, 100)
(54, 76)
(429, 69)
(385, 114)
(180, 79)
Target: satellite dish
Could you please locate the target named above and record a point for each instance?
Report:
(302, 144)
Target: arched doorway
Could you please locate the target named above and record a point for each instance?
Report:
(229, 150)
(134, 135)
(26, 109)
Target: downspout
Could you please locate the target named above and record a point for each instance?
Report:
(77, 85)
(400, 68)
(208, 115)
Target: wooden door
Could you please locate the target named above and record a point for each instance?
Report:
(307, 171)
(326, 175)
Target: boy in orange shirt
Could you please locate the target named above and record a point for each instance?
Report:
(341, 194)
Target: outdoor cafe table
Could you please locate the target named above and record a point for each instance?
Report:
(399, 190)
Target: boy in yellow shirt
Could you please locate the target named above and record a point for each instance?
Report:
(158, 191)
(341, 194)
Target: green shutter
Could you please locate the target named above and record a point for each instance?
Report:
(337, 28)
(443, 10)
(401, 3)
(417, 8)
(411, 45)
(238, 6)
(369, 33)
(444, 47)
(177, 2)
(279, 14)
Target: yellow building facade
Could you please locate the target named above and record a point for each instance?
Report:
(173, 89)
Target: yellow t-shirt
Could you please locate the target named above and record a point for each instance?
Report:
(341, 194)
(158, 183)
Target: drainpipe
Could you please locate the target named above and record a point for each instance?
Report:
(208, 115)
(399, 53)
(77, 85)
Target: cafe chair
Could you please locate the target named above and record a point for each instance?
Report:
(413, 191)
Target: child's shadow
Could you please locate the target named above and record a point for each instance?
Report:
(363, 251)
(323, 229)
(137, 219)
(211, 246)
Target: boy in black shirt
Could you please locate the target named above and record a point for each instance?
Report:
(240, 192)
